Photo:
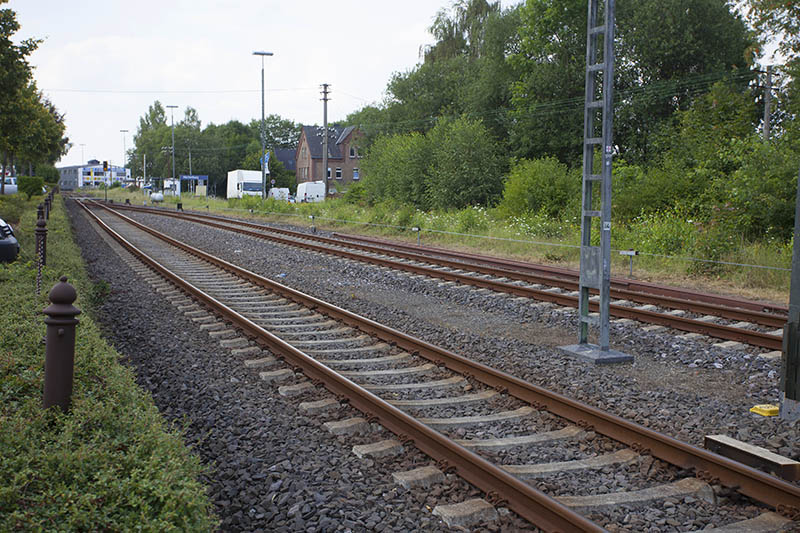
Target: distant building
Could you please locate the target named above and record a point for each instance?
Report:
(90, 175)
(287, 157)
(343, 157)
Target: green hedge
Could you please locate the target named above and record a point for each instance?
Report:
(112, 462)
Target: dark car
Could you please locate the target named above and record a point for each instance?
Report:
(9, 247)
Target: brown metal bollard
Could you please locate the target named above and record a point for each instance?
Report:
(41, 251)
(60, 351)
(47, 208)
(41, 241)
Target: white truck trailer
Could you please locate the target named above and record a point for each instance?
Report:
(311, 191)
(244, 183)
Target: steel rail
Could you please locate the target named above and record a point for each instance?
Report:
(755, 338)
(771, 491)
(566, 273)
(533, 505)
(733, 309)
(732, 313)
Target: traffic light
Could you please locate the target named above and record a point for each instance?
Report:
(105, 166)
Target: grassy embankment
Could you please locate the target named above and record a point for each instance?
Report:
(112, 463)
(660, 235)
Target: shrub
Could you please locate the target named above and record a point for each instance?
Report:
(544, 186)
(30, 185)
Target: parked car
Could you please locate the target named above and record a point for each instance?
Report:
(11, 186)
(9, 247)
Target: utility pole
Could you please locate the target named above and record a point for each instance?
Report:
(595, 266)
(172, 117)
(325, 136)
(768, 103)
(144, 170)
(263, 129)
(191, 182)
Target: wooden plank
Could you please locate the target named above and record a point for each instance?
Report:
(754, 456)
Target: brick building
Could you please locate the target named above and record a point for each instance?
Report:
(343, 157)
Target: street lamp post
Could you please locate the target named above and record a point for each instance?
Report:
(172, 118)
(83, 160)
(263, 128)
(124, 151)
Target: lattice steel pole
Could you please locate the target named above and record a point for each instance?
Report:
(595, 269)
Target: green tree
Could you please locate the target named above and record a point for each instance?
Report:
(15, 75)
(668, 52)
(466, 168)
(396, 168)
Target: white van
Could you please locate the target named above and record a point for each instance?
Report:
(279, 193)
(311, 191)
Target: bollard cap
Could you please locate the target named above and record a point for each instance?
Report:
(61, 297)
(41, 223)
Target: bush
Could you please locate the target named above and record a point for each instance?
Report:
(544, 186)
(30, 185)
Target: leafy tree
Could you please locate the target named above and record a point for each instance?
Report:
(397, 168)
(668, 51)
(777, 20)
(466, 169)
(15, 75)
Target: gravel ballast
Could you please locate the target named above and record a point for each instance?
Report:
(665, 389)
(272, 466)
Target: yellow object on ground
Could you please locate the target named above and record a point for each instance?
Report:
(766, 409)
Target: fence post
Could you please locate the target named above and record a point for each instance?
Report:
(60, 350)
(41, 251)
(47, 208)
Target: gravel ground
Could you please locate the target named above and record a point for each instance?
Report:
(684, 388)
(271, 468)
(675, 385)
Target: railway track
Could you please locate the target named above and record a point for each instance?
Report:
(753, 323)
(491, 428)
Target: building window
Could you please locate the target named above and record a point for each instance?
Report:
(352, 152)
(355, 174)
(338, 173)
(303, 153)
(329, 172)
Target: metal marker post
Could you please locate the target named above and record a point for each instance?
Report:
(790, 360)
(417, 229)
(60, 349)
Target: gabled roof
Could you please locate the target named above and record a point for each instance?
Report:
(336, 135)
(287, 157)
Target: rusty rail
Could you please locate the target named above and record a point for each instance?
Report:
(533, 505)
(569, 274)
(754, 338)
(762, 487)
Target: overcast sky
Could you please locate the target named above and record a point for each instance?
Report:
(103, 62)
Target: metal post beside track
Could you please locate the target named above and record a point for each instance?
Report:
(60, 350)
(790, 367)
(595, 270)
